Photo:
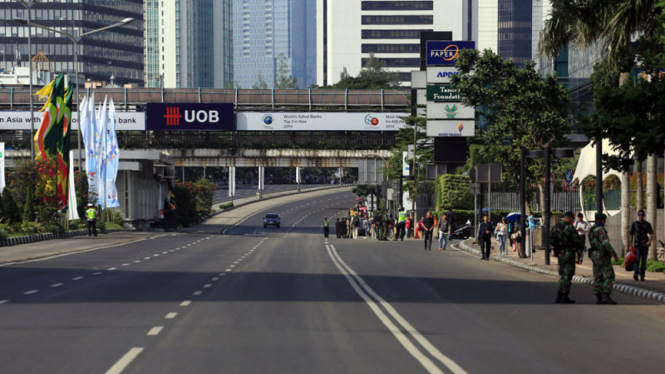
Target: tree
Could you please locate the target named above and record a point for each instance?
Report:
(612, 24)
(522, 109)
(29, 207)
(372, 76)
(284, 80)
(10, 210)
(260, 83)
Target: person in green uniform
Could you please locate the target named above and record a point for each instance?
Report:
(92, 220)
(379, 225)
(601, 252)
(386, 223)
(566, 243)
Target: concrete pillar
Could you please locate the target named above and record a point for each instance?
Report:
(232, 181)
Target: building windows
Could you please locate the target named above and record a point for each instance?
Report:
(397, 20)
(392, 34)
(398, 5)
(391, 48)
(397, 62)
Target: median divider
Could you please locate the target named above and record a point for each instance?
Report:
(630, 290)
(34, 238)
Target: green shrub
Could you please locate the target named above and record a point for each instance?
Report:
(31, 228)
(101, 226)
(29, 208)
(452, 191)
(225, 206)
(621, 262)
(10, 210)
(655, 267)
(3, 235)
(53, 228)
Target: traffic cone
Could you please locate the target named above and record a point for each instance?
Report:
(416, 233)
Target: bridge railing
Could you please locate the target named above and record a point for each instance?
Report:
(14, 98)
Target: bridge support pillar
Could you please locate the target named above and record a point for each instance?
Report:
(298, 177)
(232, 182)
(262, 178)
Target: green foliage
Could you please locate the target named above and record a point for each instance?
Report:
(284, 79)
(10, 209)
(3, 235)
(621, 262)
(655, 266)
(364, 189)
(225, 206)
(29, 207)
(30, 228)
(453, 192)
(372, 76)
(260, 83)
(53, 228)
(522, 110)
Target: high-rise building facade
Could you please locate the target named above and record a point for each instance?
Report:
(117, 52)
(348, 31)
(270, 33)
(189, 44)
(506, 27)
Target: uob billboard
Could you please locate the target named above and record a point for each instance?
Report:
(190, 117)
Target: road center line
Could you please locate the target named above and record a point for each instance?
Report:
(155, 330)
(57, 285)
(3, 302)
(125, 360)
(197, 293)
(30, 292)
(111, 269)
(78, 278)
(171, 316)
(125, 264)
(215, 278)
(186, 303)
(445, 360)
(207, 285)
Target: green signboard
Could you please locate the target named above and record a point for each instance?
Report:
(443, 93)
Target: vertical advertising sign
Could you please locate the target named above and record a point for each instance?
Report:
(2, 166)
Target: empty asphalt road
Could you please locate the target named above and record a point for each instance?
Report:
(285, 300)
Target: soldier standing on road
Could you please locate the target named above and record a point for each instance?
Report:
(386, 223)
(566, 243)
(601, 251)
(378, 224)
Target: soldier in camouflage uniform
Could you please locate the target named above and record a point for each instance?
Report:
(386, 220)
(601, 252)
(567, 244)
(378, 224)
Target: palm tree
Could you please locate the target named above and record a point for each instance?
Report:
(612, 24)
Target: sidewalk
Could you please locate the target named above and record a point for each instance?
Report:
(221, 222)
(56, 247)
(652, 288)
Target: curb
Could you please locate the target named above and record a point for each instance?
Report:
(35, 238)
(274, 196)
(630, 290)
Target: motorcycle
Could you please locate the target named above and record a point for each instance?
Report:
(463, 232)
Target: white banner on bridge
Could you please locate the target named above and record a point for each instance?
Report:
(15, 120)
(305, 121)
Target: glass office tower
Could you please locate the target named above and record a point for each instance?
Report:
(118, 52)
(267, 31)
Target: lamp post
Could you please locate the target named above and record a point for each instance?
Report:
(75, 39)
(28, 6)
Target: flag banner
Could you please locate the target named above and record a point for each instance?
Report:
(72, 212)
(113, 160)
(2, 166)
(52, 140)
(100, 153)
(89, 131)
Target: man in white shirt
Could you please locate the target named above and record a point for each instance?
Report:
(582, 228)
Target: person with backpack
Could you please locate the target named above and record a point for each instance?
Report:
(567, 244)
(601, 252)
(356, 225)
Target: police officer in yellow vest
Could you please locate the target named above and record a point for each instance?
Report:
(92, 220)
(401, 224)
(326, 227)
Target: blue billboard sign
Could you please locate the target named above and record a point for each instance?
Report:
(190, 117)
(446, 52)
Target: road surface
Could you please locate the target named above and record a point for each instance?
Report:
(286, 301)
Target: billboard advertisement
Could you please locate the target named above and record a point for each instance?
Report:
(190, 117)
(444, 93)
(305, 121)
(451, 128)
(440, 74)
(124, 121)
(449, 111)
(446, 52)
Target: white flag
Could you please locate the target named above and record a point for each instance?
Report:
(112, 161)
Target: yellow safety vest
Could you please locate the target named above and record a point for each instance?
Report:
(92, 213)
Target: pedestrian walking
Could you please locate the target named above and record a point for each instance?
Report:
(443, 230)
(338, 230)
(502, 235)
(566, 243)
(92, 220)
(428, 229)
(582, 228)
(485, 237)
(386, 225)
(452, 220)
(601, 253)
(326, 227)
(356, 225)
(641, 234)
(391, 227)
(349, 228)
(366, 227)
(408, 226)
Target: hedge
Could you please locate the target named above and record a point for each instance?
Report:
(453, 191)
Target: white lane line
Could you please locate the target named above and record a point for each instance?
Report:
(197, 293)
(30, 292)
(222, 274)
(186, 303)
(157, 255)
(57, 285)
(125, 264)
(207, 285)
(165, 252)
(155, 330)
(170, 315)
(97, 273)
(127, 359)
(137, 261)
(3, 302)
(228, 270)
(79, 278)
(111, 269)
(215, 278)
(232, 266)
(348, 273)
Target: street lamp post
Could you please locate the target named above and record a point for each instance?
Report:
(75, 40)
(28, 6)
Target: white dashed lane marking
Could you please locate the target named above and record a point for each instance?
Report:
(207, 285)
(186, 303)
(125, 360)
(97, 273)
(155, 330)
(170, 315)
(31, 292)
(57, 285)
(3, 302)
(111, 269)
(197, 293)
(79, 278)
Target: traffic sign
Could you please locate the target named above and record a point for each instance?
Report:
(569, 176)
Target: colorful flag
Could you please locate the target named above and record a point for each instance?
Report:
(100, 153)
(90, 134)
(52, 139)
(113, 159)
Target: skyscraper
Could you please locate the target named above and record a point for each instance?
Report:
(348, 31)
(189, 44)
(117, 52)
(269, 34)
(505, 27)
